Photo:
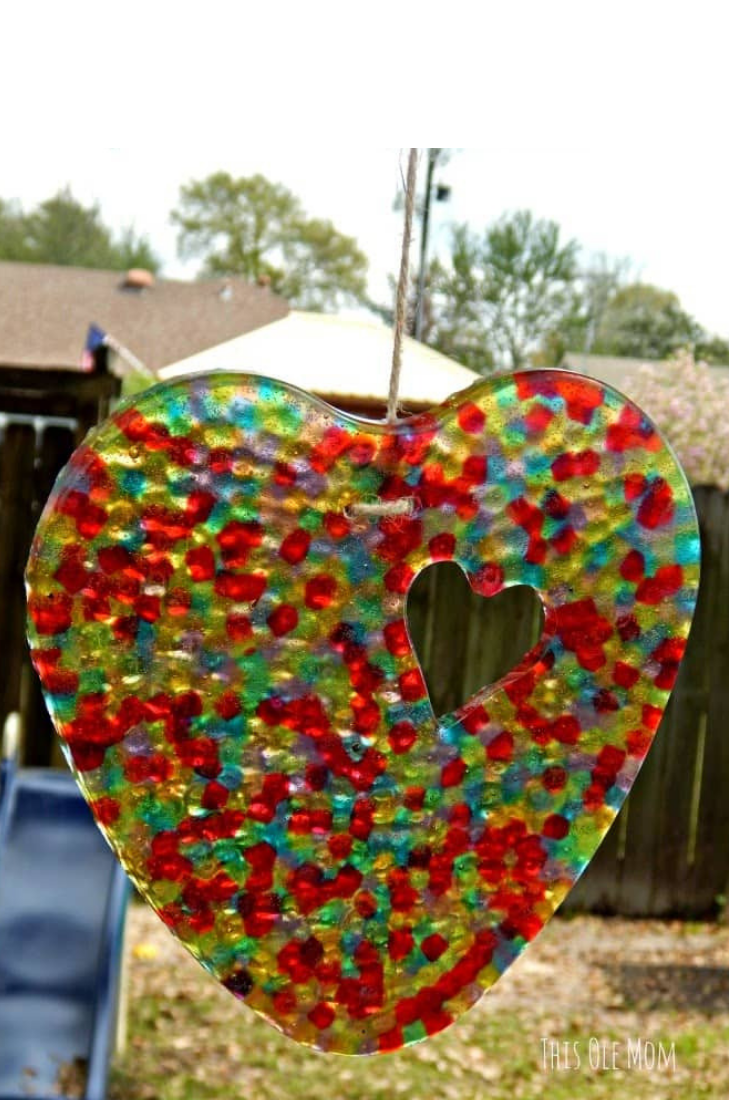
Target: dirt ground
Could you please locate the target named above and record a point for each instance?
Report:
(595, 1008)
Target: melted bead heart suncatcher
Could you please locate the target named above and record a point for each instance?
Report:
(222, 643)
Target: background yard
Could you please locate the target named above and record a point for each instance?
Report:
(585, 977)
(89, 310)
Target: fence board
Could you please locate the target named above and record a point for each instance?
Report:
(17, 460)
(644, 832)
(34, 406)
(660, 836)
(598, 889)
(682, 730)
(448, 638)
(501, 629)
(464, 641)
(712, 838)
(54, 447)
(654, 861)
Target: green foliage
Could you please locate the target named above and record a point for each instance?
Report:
(234, 223)
(713, 350)
(635, 320)
(640, 321)
(63, 231)
(258, 229)
(133, 251)
(644, 322)
(500, 295)
(13, 243)
(596, 285)
(516, 297)
(322, 266)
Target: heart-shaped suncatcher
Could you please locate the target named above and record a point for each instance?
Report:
(224, 651)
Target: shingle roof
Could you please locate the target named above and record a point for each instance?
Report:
(45, 312)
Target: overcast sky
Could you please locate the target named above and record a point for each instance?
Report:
(609, 118)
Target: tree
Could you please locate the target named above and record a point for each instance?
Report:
(455, 313)
(13, 242)
(252, 227)
(322, 267)
(499, 296)
(712, 350)
(635, 320)
(63, 231)
(596, 284)
(645, 322)
(129, 251)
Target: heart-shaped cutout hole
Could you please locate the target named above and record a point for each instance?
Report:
(464, 641)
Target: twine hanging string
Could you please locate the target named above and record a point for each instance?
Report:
(397, 507)
(401, 300)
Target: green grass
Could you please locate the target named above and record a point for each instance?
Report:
(190, 1040)
(192, 1051)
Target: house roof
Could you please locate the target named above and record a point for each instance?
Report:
(345, 359)
(45, 312)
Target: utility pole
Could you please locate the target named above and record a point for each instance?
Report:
(442, 194)
(432, 160)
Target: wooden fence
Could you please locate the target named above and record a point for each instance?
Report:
(667, 854)
(44, 415)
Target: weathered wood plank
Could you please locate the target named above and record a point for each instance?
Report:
(648, 864)
(644, 832)
(419, 618)
(501, 629)
(448, 642)
(17, 460)
(712, 837)
(55, 447)
(26, 398)
(683, 727)
(463, 640)
(598, 888)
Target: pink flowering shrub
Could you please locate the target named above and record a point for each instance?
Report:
(689, 403)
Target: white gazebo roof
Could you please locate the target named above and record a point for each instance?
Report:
(333, 356)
